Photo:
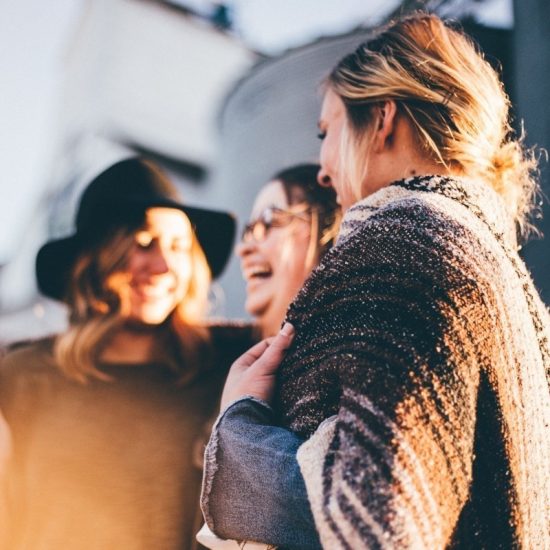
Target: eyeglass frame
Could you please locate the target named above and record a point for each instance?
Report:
(258, 229)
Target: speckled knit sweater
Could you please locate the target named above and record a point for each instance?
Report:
(423, 344)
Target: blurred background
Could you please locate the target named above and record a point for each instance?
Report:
(221, 94)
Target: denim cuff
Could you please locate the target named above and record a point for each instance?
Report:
(252, 485)
(245, 405)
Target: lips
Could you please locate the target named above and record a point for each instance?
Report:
(152, 292)
(257, 271)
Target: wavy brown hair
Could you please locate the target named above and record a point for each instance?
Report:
(95, 310)
(453, 98)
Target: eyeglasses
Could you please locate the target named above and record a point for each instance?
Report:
(258, 229)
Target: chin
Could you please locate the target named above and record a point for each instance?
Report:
(150, 318)
(256, 308)
(155, 321)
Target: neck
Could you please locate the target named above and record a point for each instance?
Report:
(131, 345)
(270, 322)
(268, 327)
(400, 158)
(271, 319)
(407, 168)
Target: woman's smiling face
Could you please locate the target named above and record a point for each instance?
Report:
(273, 261)
(158, 267)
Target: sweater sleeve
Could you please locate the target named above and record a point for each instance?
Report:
(393, 469)
(381, 478)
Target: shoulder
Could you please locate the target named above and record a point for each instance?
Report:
(228, 332)
(406, 250)
(441, 212)
(27, 354)
(412, 219)
(24, 365)
(408, 235)
(230, 339)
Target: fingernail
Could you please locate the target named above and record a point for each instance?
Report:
(287, 329)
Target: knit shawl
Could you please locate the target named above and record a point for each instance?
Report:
(422, 344)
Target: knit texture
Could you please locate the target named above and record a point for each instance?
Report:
(422, 332)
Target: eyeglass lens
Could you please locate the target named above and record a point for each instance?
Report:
(270, 217)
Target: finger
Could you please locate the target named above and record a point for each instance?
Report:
(283, 339)
(274, 354)
(255, 352)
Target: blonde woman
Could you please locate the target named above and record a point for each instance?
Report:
(103, 418)
(412, 408)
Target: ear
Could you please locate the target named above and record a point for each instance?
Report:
(385, 126)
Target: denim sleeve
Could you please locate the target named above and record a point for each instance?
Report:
(252, 488)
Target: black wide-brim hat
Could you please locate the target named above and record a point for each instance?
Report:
(119, 197)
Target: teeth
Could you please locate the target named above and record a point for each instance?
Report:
(258, 270)
(150, 291)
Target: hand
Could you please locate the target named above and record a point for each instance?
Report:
(253, 373)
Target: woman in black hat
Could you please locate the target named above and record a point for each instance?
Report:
(102, 420)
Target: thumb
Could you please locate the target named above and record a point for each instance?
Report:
(274, 354)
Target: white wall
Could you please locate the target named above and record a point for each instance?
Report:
(133, 72)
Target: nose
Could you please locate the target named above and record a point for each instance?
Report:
(323, 179)
(245, 247)
(158, 261)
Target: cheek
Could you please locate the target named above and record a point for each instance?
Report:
(272, 248)
(183, 271)
(294, 253)
(285, 250)
(323, 155)
(180, 264)
(133, 264)
(137, 264)
(327, 149)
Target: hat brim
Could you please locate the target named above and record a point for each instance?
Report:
(214, 230)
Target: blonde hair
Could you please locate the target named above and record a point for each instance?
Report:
(453, 98)
(96, 310)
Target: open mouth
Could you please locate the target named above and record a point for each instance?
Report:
(258, 272)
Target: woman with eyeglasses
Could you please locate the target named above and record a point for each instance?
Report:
(409, 406)
(293, 223)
